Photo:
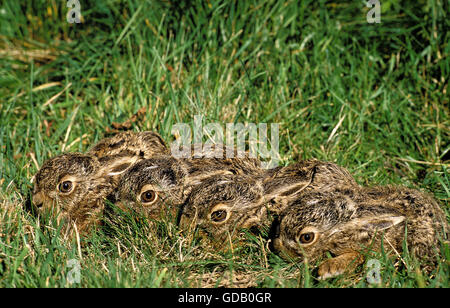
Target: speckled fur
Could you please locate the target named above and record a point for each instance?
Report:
(286, 184)
(174, 178)
(241, 197)
(94, 175)
(141, 144)
(251, 201)
(351, 219)
(91, 184)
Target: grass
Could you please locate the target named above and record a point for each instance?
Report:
(370, 97)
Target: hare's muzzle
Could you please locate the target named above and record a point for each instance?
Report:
(183, 222)
(123, 206)
(187, 224)
(38, 199)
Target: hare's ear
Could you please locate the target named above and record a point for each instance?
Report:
(280, 187)
(381, 223)
(280, 195)
(118, 165)
(373, 223)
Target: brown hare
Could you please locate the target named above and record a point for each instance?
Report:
(251, 201)
(74, 185)
(347, 221)
(164, 182)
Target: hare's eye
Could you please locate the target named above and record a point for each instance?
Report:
(149, 196)
(307, 238)
(65, 187)
(219, 215)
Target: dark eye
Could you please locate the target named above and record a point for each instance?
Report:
(65, 186)
(219, 215)
(307, 238)
(148, 196)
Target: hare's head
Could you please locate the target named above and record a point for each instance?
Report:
(74, 185)
(222, 205)
(152, 185)
(335, 223)
(284, 185)
(62, 179)
(141, 144)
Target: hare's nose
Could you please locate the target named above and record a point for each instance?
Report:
(38, 200)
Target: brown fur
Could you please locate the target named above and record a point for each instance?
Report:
(173, 179)
(141, 144)
(92, 176)
(286, 184)
(239, 198)
(250, 201)
(349, 220)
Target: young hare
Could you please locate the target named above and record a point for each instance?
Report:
(347, 221)
(74, 186)
(245, 202)
(164, 182)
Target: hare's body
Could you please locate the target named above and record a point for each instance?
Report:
(347, 220)
(287, 184)
(165, 181)
(141, 144)
(74, 186)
